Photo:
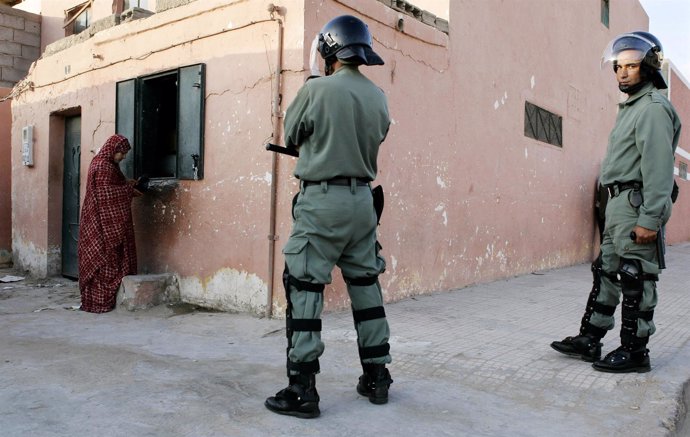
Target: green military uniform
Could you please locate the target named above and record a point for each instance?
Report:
(638, 169)
(338, 123)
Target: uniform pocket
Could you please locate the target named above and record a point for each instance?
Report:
(295, 252)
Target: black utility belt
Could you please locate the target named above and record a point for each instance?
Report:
(346, 182)
(616, 188)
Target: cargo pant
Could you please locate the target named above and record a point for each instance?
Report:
(334, 225)
(637, 314)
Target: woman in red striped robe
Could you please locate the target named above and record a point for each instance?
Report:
(106, 248)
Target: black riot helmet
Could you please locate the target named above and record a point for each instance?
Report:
(347, 38)
(651, 53)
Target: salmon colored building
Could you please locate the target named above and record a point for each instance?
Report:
(489, 168)
(20, 35)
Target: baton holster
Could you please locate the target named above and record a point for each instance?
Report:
(377, 194)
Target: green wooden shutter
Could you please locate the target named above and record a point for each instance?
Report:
(125, 121)
(190, 124)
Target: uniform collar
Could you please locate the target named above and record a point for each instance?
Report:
(633, 98)
(346, 67)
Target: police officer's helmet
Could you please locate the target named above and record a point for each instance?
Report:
(347, 38)
(649, 47)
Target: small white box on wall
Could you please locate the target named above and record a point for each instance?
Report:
(28, 145)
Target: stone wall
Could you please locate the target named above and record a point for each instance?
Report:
(20, 42)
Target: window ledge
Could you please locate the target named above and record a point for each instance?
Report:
(163, 186)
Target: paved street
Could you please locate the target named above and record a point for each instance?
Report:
(473, 362)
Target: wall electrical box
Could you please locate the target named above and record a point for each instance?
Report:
(28, 146)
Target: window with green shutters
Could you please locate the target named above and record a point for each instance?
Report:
(605, 12)
(162, 115)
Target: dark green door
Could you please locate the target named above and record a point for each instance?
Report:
(70, 197)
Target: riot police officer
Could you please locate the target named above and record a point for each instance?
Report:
(337, 122)
(637, 172)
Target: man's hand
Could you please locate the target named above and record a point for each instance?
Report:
(644, 235)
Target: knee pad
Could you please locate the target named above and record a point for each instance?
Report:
(362, 282)
(631, 276)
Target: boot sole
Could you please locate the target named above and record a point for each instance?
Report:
(575, 354)
(300, 414)
(643, 369)
(372, 399)
(378, 401)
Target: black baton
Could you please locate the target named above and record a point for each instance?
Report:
(284, 150)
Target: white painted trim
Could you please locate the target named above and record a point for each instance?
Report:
(682, 153)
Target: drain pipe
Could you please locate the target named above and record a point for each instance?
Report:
(276, 117)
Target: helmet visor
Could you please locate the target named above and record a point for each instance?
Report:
(626, 49)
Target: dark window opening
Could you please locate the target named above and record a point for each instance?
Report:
(683, 170)
(605, 12)
(158, 133)
(162, 115)
(543, 125)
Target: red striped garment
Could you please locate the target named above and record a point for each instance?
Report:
(106, 248)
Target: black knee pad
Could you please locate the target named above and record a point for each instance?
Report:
(363, 281)
(631, 276)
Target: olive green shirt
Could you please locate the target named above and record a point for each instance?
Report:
(338, 122)
(641, 147)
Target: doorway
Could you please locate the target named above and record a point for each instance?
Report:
(70, 197)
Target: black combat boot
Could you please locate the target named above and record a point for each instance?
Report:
(374, 383)
(625, 360)
(584, 346)
(299, 398)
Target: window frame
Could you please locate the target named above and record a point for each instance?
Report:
(190, 113)
(72, 16)
(119, 6)
(605, 12)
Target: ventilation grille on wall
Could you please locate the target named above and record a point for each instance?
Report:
(543, 125)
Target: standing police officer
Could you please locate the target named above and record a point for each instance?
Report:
(638, 174)
(337, 123)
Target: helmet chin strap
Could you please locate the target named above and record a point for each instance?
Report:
(329, 66)
(632, 89)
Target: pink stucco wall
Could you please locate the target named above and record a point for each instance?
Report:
(469, 198)
(519, 204)
(213, 232)
(5, 173)
(677, 228)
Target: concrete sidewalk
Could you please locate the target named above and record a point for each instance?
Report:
(474, 362)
